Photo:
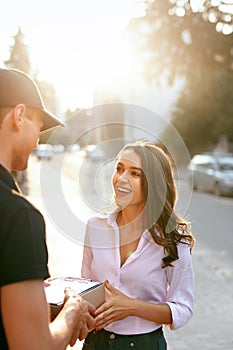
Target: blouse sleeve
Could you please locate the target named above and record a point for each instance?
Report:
(180, 294)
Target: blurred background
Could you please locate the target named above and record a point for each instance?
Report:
(122, 70)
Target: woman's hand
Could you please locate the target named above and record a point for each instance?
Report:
(116, 307)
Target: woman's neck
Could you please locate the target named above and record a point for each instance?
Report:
(132, 219)
(129, 215)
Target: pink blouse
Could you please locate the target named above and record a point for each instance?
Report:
(141, 276)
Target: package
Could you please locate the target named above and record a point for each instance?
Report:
(91, 291)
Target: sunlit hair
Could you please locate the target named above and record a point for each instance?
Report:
(158, 186)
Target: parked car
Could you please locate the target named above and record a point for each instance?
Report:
(212, 173)
(94, 153)
(58, 148)
(44, 151)
(73, 148)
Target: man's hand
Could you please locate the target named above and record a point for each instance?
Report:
(84, 312)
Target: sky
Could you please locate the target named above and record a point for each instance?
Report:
(75, 44)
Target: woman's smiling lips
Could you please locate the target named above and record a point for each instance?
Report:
(123, 190)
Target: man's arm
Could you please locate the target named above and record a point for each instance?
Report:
(26, 318)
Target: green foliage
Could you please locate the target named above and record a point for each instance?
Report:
(191, 45)
(204, 111)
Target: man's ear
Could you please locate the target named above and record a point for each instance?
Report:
(18, 115)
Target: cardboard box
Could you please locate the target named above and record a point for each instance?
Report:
(91, 291)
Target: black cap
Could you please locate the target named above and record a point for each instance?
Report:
(17, 87)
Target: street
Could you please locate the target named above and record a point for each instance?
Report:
(212, 222)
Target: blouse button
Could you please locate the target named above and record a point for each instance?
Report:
(112, 336)
(131, 344)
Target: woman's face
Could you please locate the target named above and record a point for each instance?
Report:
(127, 180)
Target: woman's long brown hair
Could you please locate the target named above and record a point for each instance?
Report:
(166, 227)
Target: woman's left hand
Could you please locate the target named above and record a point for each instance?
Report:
(116, 307)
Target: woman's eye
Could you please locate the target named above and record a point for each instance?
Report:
(119, 169)
(135, 173)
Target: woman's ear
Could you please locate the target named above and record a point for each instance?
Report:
(18, 115)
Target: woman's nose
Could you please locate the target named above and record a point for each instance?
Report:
(124, 176)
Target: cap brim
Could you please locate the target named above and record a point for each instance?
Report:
(50, 121)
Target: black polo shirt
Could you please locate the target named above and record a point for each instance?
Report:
(23, 251)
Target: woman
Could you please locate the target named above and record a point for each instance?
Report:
(141, 251)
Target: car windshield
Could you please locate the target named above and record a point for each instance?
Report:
(226, 164)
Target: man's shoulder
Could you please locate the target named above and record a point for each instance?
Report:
(13, 200)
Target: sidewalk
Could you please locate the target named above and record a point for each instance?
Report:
(211, 324)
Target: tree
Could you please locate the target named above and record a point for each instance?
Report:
(195, 44)
(19, 54)
(19, 59)
(202, 118)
